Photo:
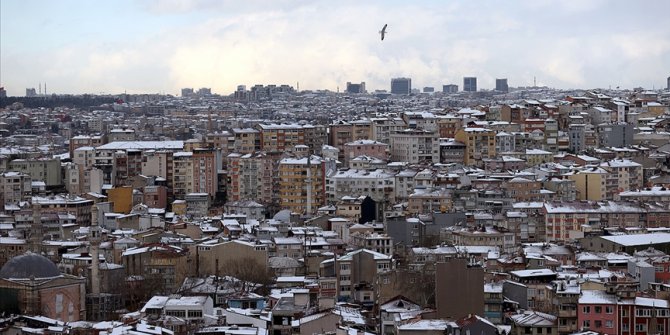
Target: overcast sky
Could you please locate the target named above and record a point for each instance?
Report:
(160, 46)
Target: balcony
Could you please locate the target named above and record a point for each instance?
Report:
(567, 314)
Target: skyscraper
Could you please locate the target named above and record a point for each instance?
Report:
(401, 86)
(355, 88)
(470, 84)
(668, 83)
(450, 88)
(501, 85)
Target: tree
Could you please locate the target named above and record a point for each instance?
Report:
(250, 272)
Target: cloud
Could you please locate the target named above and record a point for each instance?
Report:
(220, 44)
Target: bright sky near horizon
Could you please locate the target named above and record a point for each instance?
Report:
(160, 46)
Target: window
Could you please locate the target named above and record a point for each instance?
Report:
(608, 324)
(587, 309)
(586, 324)
(640, 327)
(598, 309)
(608, 309)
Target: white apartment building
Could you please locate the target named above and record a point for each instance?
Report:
(414, 146)
(378, 184)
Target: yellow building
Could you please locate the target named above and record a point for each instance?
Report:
(536, 157)
(479, 143)
(302, 184)
(590, 184)
(179, 207)
(122, 197)
(213, 259)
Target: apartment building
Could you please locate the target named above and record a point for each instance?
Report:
(569, 220)
(383, 127)
(247, 140)
(207, 163)
(163, 267)
(43, 169)
(302, 184)
(356, 272)
(14, 187)
(479, 143)
(369, 148)
(377, 184)
(213, 259)
(251, 177)
(415, 146)
(280, 137)
(182, 174)
(342, 133)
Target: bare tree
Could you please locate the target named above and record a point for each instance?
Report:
(250, 272)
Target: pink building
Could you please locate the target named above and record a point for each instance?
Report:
(365, 148)
(597, 311)
(604, 313)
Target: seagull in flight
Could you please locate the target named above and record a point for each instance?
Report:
(383, 31)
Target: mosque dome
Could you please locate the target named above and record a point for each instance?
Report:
(29, 265)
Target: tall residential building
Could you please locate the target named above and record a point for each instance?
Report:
(470, 84)
(401, 86)
(302, 184)
(182, 174)
(450, 88)
(415, 146)
(14, 187)
(342, 133)
(40, 169)
(355, 88)
(206, 164)
(479, 143)
(283, 137)
(251, 177)
(247, 140)
(668, 83)
(31, 92)
(3, 92)
(501, 85)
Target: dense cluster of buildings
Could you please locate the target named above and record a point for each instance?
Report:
(273, 211)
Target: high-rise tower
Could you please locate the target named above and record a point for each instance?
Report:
(401, 86)
(470, 84)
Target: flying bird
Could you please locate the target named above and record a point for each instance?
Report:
(383, 31)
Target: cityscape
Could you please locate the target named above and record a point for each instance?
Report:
(403, 193)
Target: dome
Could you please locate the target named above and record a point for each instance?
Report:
(29, 265)
(283, 215)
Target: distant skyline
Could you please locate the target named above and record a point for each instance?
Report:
(161, 46)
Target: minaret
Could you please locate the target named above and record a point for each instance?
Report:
(94, 241)
(36, 234)
(308, 181)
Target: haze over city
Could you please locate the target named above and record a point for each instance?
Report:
(162, 46)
